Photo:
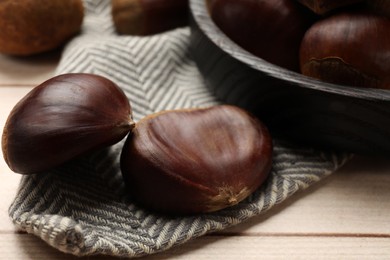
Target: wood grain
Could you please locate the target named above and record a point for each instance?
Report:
(21, 71)
(353, 201)
(24, 246)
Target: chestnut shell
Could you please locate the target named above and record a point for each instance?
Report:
(197, 160)
(30, 27)
(348, 48)
(269, 29)
(64, 117)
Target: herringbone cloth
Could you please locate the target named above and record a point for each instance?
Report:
(82, 207)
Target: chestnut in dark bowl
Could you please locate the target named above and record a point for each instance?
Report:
(348, 48)
(242, 21)
(292, 105)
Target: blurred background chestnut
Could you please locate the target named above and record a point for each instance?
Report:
(147, 17)
(34, 26)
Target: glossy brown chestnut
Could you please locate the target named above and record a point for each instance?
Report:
(62, 118)
(350, 49)
(325, 6)
(269, 29)
(196, 160)
(147, 17)
(33, 26)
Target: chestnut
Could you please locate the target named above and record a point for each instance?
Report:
(322, 7)
(349, 48)
(269, 29)
(62, 118)
(196, 160)
(30, 27)
(147, 17)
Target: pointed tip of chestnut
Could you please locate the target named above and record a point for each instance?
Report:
(131, 124)
(196, 160)
(226, 197)
(62, 118)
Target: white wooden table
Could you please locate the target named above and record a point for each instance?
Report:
(346, 216)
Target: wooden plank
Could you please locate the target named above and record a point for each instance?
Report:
(27, 70)
(298, 218)
(8, 187)
(23, 246)
(353, 200)
(9, 96)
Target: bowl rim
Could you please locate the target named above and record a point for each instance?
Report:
(200, 14)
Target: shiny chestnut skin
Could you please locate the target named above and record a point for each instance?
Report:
(349, 48)
(269, 29)
(196, 160)
(62, 118)
(148, 17)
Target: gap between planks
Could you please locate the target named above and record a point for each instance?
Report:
(283, 234)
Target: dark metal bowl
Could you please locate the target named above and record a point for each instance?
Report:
(298, 107)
